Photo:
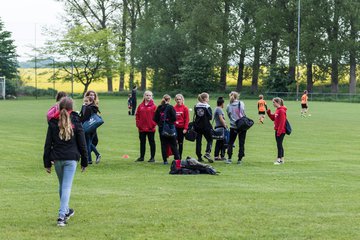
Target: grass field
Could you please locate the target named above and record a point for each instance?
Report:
(314, 195)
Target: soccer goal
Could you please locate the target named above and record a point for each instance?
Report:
(2, 87)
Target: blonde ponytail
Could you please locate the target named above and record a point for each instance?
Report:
(65, 126)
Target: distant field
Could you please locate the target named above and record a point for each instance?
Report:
(314, 195)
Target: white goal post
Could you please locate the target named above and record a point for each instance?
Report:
(2, 87)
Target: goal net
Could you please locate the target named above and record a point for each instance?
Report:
(2, 88)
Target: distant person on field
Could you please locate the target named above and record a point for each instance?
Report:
(87, 110)
(235, 110)
(133, 98)
(144, 122)
(165, 112)
(65, 143)
(129, 102)
(95, 140)
(202, 124)
(54, 111)
(304, 104)
(182, 121)
(219, 118)
(261, 108)
(279, 118)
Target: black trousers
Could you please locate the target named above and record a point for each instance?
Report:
(133, 107)
(142, 137)
(279, 144)
(209, 140)
(180, 140)
(242, 137)
(171, 141)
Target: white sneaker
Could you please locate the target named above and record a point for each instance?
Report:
(278, 162)
(228, 161)
(98, 158)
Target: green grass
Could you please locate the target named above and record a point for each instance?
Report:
(314, 195)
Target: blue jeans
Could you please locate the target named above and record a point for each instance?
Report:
(90, 147)
(65, 171)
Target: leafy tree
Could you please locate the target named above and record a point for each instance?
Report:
(85, 53)
(278, 80)
(8, 62)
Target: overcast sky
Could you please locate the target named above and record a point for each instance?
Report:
(24, 18)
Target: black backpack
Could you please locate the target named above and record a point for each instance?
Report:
(191, 166)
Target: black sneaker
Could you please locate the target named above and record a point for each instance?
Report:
(151, 160)
(239, 162)
(69, 214)
(90, 162)
(200, 160)
(208, 157)
(166, 163)
(140, 159)
(61, 222)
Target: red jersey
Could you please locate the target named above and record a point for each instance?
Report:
(144, 117)
(182, 116)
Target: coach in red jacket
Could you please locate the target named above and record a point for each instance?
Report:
(144, 122)
(279, 119)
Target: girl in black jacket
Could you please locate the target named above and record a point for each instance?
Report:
(87, 110)
(166, 112)
(65, 143)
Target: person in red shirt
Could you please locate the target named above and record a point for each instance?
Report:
(144, 122)
(182, 121)
(279, 118)
(261, 108)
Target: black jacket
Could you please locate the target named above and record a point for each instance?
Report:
(203, 116)
(159, 115)
(57, 149)
(87, 111)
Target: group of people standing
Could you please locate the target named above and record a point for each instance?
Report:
(148, 116)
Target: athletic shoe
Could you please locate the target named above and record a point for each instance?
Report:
(90, 162)
(69, 214)
(140, 159)
(217, 158)
(239, 162)
(61, 222)
(228, 161)
(208, 157)
(98, 158)
(151, 160)
(278, 162)
(166, 163)
(200, 160)
(223, 159)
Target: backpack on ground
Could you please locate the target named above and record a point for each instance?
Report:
(191, 166)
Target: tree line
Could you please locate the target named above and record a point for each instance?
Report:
(190, 44)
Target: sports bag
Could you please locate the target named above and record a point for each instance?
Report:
(218, 133)
(191, 166)
(288, 128)
(244, 123)
(93, 123)
(168, 130)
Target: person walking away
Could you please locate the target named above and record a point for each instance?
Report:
(220, 122)
(304, 104)
(166, 113)
(133, 99)
(95, 141)
(144, 122)
(87, 110)
(279, 118)
(202, 124)
(261, 108)
(235, 111)
(64, 145)
(129, 102)
(182, 121)
(54, 111)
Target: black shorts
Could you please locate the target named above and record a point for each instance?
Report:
(304, 105)
(262, 112)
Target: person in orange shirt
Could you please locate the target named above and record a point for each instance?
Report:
(304, 104)
(261, 108)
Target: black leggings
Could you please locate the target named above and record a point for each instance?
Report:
(242, 137)
(279, 144)
(209, 140)
(142, 137)
(180, 140)
(171, 141)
